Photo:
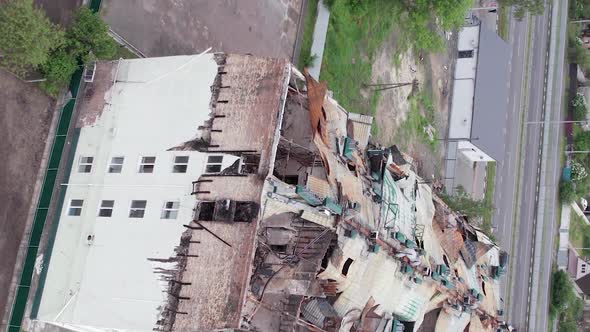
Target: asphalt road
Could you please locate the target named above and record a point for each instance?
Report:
(520, 182)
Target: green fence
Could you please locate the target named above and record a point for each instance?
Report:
(59, 141)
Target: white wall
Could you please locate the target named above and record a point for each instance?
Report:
(472, 152)
(155, 105)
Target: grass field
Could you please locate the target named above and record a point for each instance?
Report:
(503, 22)
(305, 57)
(579, 234)
(355, 32)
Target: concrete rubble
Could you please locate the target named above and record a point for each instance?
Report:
(350, 238)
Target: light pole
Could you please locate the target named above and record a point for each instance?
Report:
(458, 139)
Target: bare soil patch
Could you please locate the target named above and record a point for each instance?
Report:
(405, 122)
(25, 118)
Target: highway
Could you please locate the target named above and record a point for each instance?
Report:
(525, 196)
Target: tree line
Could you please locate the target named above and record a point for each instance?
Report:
(30, 42)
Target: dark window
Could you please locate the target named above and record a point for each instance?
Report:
(206, 211)
(250, 163)
(116, 164)
(180, 164)
(85, 164)
(213, 169)
(147, 164)
(137, 209)
(291, 179)
(281, 249)
(346, 266)
(465, 54)
(214, 164)
(224, 210)
(245, 211)
(75, 208)
(106, 208)
(214, 159)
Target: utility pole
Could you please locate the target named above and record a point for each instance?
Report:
(389, 86)
(485, 8)
(459, 139)
(557, 122)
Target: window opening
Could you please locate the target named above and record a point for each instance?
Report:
(170, 210)
(85, 164)
(180, 164)
(75, 208)
(106, 208)
(116, 165)
(137, 209)
(147, 164)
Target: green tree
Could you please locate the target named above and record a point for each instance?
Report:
(567, 191)
(580, 107)
(463, 204)
(86, 38)
(26, 36)
(89, 33)
(565, 305)
(427, 17)
(561, 291)
(579, 9)
(582, 140)
(521, 7)
(58, 70)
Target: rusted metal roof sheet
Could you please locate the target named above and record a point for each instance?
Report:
(316, 92)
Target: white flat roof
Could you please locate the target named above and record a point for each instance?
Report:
(462, 109)
(466, 68)
(113, 280)
(468, 38)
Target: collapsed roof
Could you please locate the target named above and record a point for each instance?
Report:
(358, 241)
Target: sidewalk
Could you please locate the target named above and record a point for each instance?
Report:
(319, 39)
(564, 229)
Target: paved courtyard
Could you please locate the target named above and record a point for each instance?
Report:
(160, 28)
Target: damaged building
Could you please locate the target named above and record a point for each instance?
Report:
(231, 192)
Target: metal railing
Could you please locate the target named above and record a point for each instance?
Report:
(24, 285)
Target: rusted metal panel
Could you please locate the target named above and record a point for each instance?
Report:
(316, 92)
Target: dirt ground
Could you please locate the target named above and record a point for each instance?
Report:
(160, 28)
(25, 118)
(433, 75)
(59, 11)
